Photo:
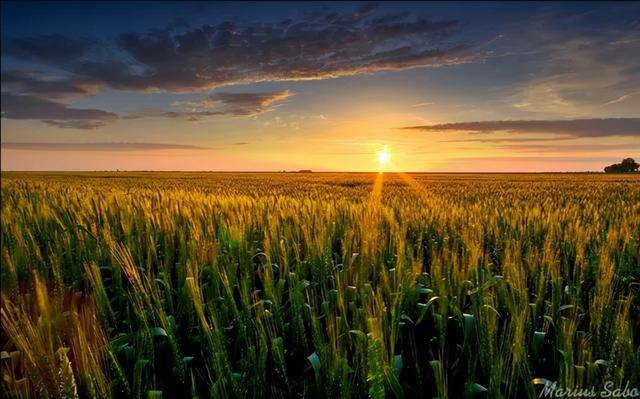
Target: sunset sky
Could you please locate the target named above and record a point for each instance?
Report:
(322, 86)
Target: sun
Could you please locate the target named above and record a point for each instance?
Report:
(384, 156)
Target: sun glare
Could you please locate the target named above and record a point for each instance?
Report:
(384, 156)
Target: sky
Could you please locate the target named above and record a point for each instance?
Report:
(436, 87)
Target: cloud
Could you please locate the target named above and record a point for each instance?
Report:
(537, 148)
(574, 128)
(424, 104)
(55, 87)
(583, 63)
(30, 95)
(622, 98)
(77, 123)
(318, 46)
(60, 115)
(180, 59)
(508, 139)
(98, 146)
(580, 79)
(234, 104)
(54, 113)
(532, 160)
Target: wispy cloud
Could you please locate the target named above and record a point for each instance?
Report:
(538, 148)
(508, 139)
(533, 159)
(233, 104)
(99, 146)
(581, 62)
(622, 98)
(422, 104)
(573, 127)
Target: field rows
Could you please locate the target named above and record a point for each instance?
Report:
(318, 285)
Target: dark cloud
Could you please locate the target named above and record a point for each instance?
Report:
(233, 104)
(33, 103)
(573, 128)
(177, 59)
(76, 124)
(54, 113)
(98, 146)
(33, 83)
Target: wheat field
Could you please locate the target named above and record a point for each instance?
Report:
(174, 285)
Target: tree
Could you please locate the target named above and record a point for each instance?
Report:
(628, 165)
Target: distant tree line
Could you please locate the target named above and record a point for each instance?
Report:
(628, 165)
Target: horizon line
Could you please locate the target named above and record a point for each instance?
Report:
(307, 171)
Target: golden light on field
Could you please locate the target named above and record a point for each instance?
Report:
(390, 234)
